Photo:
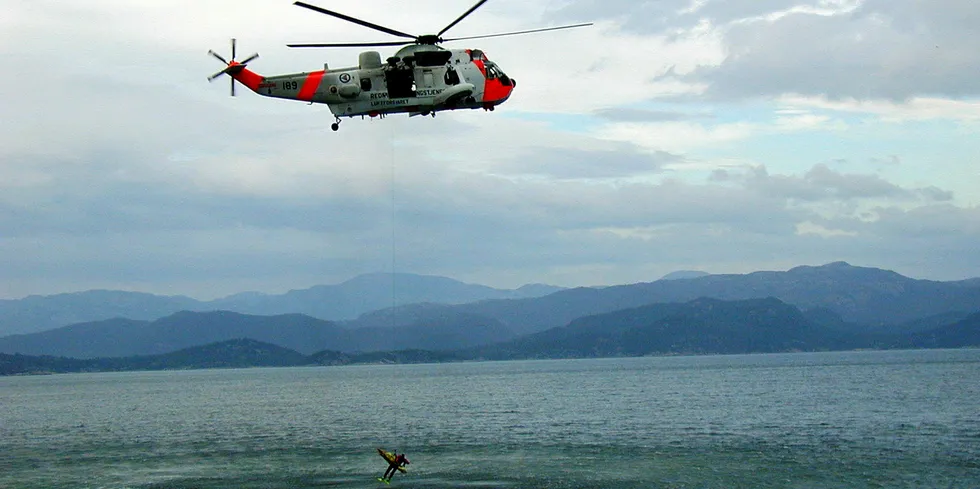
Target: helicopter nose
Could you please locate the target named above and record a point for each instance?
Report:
(497, 91)
(510, 89)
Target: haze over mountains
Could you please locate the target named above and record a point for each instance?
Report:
(835, 306)
(703, 326)
(346, 300)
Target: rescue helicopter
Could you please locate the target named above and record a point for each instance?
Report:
(421, 78)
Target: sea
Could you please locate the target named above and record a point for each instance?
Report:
(865, 419)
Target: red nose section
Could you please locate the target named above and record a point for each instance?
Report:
(496, 92)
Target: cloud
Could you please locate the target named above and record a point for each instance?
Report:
(894, 50)
(463, 225)
(914, 109)
(671, 135)
(846, 49)
(823, 183)
(566, 163)
(930, 221)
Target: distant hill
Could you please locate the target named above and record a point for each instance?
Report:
(236, 353)
(371, 292)
(343, 301)
(124, 337)
(712, 326)
(108, 338)
(859, 294)
(957, 335)
(858, 301)
(38, 313)
(701, 326)
(862, 297)
(442, 329)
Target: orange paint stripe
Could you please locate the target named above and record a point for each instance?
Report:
(249, 79)
(310, 85)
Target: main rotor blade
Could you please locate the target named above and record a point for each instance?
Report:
(352, 19)
(250, 58)
(212, 77)
(232, 87)
(461, 17)
(233, 48)
(216, 55)
(519, 32)
(351, 44)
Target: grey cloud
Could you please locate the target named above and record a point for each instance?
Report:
(883, 50)
(454, 225)
(106, 152)
(844, 186)
(931, 221)
(722, 175)
(566, 163)
(821, 183)
(934, 194)
(447, 224)
(957, 16)
(583, 207)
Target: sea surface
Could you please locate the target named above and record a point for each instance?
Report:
(873, 419)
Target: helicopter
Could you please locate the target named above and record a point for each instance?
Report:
(421, 78)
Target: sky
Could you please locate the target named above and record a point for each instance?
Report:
(726, 136)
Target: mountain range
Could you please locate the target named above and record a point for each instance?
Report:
(702, 326)
(343, 301)
(127, 337)
(853, 297)
(834, 306)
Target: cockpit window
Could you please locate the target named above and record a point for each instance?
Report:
(493, 71)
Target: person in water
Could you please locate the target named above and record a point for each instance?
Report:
(399, 461)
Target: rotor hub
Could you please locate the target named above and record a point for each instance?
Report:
(428, 39)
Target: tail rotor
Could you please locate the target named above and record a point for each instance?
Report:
(232, 67)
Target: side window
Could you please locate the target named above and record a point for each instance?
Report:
(452, 78)
(366, 84)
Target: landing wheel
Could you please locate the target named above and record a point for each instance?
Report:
(335, 126)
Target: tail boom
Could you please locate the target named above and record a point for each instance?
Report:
(253, 81)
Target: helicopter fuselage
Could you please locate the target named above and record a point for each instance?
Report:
(419, 80)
